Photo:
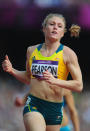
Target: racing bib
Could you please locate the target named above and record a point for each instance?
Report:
(39, 66)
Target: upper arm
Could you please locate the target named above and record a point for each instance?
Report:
(27, 61)
(29, 52)
(73, 65)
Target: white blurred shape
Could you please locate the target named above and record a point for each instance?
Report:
(47, 3)
(86, 115)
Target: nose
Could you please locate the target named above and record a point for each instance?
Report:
(55, 26)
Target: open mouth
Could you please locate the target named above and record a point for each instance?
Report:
(54, 32)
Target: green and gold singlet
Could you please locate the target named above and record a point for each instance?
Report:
(54, 64)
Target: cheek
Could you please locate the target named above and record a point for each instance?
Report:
(47, 31)
(61, 33)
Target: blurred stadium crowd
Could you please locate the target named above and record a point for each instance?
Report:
(29, 13)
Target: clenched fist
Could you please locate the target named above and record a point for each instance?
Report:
(6, 65)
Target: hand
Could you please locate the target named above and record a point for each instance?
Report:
(6, 65)
(48, 77)
(19, 102)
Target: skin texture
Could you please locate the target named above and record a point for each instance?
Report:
(53, 89)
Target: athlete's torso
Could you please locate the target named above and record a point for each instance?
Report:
(54, 64)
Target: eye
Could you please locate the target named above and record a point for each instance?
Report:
(51, 23)
(60, 26)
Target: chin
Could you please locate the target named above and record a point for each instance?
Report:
(54, 38)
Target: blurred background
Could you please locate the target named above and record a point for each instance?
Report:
(20, 27)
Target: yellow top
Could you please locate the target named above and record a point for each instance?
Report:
(54, 63)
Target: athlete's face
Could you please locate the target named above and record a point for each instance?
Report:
(54, 28)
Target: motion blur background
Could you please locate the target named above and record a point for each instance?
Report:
(20, 27)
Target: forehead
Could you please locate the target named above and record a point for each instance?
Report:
(56, 19)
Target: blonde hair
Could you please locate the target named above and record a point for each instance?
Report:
(74, 29)
(52, 15)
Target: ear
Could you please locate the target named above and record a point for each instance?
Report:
(43, 29)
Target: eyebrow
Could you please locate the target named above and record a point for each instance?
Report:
(55, 22)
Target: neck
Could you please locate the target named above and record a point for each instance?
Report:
(49, 45)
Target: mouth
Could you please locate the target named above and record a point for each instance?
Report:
(54, 32)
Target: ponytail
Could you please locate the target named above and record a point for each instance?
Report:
(75, 30)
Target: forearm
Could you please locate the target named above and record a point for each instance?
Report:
(22, 76)
(73, 85)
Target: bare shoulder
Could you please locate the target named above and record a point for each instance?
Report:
(30, 49)
(69, 55)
